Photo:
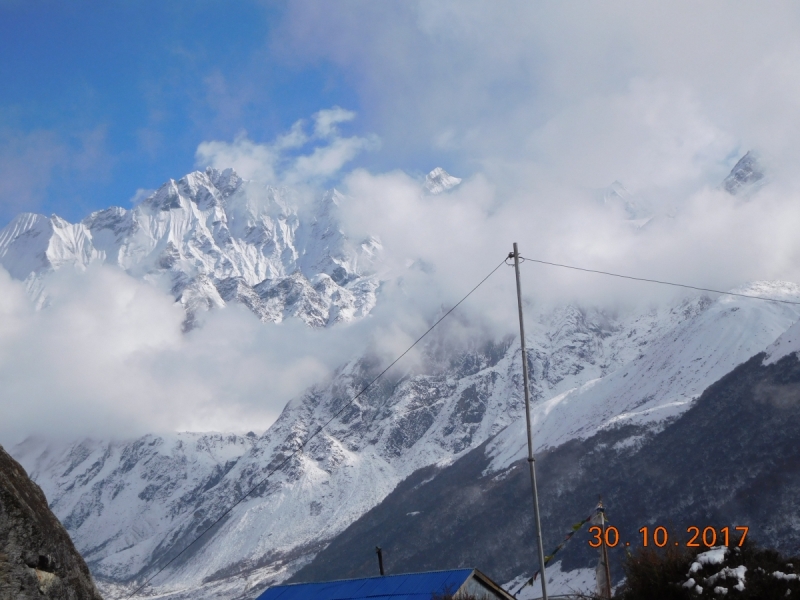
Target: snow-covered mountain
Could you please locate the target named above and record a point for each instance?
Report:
(746, 175)
(212, 238)
(729, 459)
(129, 505)
(439, 180)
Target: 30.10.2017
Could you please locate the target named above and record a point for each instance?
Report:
(697, 537)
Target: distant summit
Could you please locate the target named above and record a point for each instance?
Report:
(439, 181)
(634, 209)
(213, 239)
(745, 174)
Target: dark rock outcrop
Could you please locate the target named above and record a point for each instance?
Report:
(37, 557)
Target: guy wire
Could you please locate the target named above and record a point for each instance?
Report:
(682, 285)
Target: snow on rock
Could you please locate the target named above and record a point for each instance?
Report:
(463, 397)
(665, 377)
(788, 343)
(127, 504)
(577, 581)
(589, 368)
(439, 180)
(714, 556)
(214, 238)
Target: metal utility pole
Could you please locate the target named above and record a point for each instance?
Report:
(531, 460)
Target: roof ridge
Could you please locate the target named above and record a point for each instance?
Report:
(470, 569)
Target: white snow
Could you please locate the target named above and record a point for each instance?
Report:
(213, 238)
(788, 343)
(714, 556)
(590, 370)
(577, 581)
(439, 180)
(216, 239)
(671, 371)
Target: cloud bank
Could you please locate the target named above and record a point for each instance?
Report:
(107, 357)
(540, 107)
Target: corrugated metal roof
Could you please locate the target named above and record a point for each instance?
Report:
(411, 586)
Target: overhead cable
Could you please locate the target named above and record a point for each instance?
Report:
(312, 436)
(681, 285)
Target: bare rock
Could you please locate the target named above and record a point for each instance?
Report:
(37, 557)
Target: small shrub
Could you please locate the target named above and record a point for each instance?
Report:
(651, 574)
(665, 575)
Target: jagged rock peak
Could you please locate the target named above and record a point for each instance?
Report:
(37, 557)
(226, 181)
(439, 180)
(213, 237)
(746, 173)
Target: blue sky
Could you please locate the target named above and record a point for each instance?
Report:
(110, 97)
(101, 99)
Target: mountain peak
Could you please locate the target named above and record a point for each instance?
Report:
(226, 181)
(439, 180)
(745, 175)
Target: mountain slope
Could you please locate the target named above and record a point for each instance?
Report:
(132, 505)
(212, 238)
(729, 460)
(411, 420)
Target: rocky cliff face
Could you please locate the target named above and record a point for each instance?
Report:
(730, 460)
(212, 239)
(37, 557)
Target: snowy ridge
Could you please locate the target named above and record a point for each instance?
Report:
(439, 180)
(590, 370)
(663, 380)
(212, 238)
(746, 176)
(411, 422)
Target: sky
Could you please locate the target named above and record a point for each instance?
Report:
(539, 107)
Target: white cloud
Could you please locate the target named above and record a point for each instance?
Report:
(140, 195)
(593, 91)
(107, 357)
(281, 162)
(325, 121)
(536, 105)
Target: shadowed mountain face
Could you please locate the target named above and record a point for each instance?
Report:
(746, 174)
(37, 558)
(731, 460)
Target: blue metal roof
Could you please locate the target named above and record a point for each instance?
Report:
(411, 586)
